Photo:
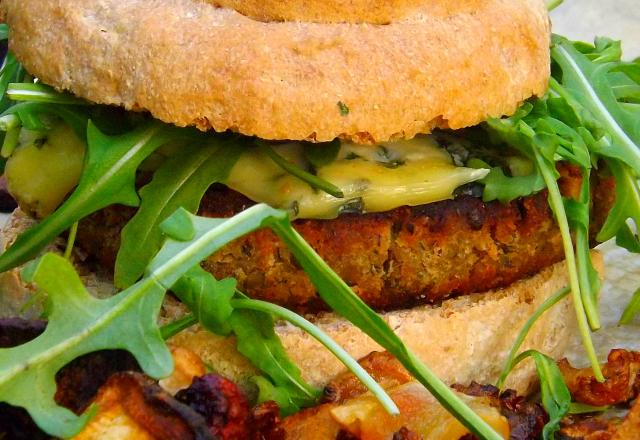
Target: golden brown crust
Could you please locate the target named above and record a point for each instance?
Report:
(191, 63)
(347, 11)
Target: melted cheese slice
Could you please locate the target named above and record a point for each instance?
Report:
(372, 178)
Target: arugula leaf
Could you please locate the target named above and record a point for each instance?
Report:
(555, 201)
(79, 324)
(108, 178)
(520, 131)
(266, 308)
(252, 323)
(210, 301)
(211, 234)
(207, 298)
(180, 182)
(627, 239)
(322, 154)
(11, 125)
(588, 83)
(4, 31)
(556, 397)
(258, 342)
(36, 116)
(632, 309)
(268, 391)
(583, 408)
(522, 335)
(175, 327)
(552, 4)
(498, 186)
(627, 204)
(578, 216)
(8, 73)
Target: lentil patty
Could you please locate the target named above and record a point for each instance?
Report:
(396, 259)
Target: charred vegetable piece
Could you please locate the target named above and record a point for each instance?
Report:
(42, 171)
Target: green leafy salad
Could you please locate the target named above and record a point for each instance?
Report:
(590, 117)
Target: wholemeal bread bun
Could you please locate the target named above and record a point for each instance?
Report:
(462, 339)
(447, 64)
(348, 11)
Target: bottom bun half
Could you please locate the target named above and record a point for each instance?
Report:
(462, 339)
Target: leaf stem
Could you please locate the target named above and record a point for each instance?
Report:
(552, 4)
(632, 309)
(344, 357)
(41, 93)
(588, 291)
(169, 330)
(311, 179)
(546, 305)
(449, 400)
(71, 239)
(340, 297)
(11, 140)
(583, 408)
(555, 200)
(9, 121)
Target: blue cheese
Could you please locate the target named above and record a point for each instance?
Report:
(372, 178)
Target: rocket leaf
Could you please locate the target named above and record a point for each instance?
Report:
(210, 301)
(588, 115)
(33, 116)
(8, 73)
(556, 397)
(211, 234)
(258, 342)
(498, 186)
(632, 309)
(252, 322)
(627, 204)
(180, 182)
(532, 131)
(207, 298)
(524, 331)
(79, 324)
(108, 178)
(588, 82)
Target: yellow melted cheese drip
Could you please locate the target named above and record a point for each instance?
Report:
(372, 178)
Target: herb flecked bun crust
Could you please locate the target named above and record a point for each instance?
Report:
(462, 339)
(447, 64)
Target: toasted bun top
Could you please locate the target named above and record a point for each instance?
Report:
(347, 11)
(447, 63)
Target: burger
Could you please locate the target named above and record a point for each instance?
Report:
(376, 128)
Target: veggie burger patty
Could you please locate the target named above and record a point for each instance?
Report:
(395, 259)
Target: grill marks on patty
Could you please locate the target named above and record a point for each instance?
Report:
(396, 259)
